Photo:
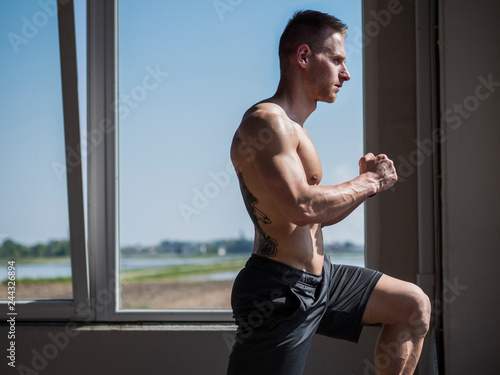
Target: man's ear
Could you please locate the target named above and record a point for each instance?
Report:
(303, 54)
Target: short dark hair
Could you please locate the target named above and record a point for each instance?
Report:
(306, 27)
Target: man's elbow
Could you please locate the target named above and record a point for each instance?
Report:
(301, 217)
(300, 223)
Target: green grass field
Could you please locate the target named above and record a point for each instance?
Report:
(171, 272)
(178, 271)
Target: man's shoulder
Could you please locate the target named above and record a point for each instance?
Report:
(268, 107)
(266, 115)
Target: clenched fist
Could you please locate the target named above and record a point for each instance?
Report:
(380, 169)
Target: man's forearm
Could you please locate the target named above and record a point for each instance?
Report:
(330, 204)
(341, 217)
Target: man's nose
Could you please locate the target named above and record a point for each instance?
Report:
(344, 74)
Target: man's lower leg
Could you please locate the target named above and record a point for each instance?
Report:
(398, 350)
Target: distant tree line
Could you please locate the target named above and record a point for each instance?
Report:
(61, 248)
(343, 247)
(228, 246)
(12, 250)
(220, 247)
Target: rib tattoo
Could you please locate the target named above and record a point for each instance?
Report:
(267, 246)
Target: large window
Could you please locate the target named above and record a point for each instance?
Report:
(186, 74)
(167, 85)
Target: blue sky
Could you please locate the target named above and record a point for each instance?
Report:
(33, 203)
(187, 73)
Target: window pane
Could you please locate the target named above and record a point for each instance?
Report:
(187, 73)
(34, 224)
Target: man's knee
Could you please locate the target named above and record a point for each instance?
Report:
(419, 311)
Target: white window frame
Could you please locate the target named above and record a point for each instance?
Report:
(76, 308)
(103, 179)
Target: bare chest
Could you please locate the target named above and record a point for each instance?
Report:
(310, 160)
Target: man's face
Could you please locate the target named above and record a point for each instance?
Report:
(328, 69)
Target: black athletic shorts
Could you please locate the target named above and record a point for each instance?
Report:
(278, 309)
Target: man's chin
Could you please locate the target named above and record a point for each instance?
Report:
(330, 99)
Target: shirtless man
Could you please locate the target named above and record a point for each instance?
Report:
(289, 290)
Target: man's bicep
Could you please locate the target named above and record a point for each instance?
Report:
(281, 173)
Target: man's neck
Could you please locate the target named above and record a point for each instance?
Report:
(294, 100)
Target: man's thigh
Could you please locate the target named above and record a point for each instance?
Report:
(391, 300)
(350, 288)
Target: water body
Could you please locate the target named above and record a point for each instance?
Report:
(62, 268)
(39, 271)
(53, 269)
